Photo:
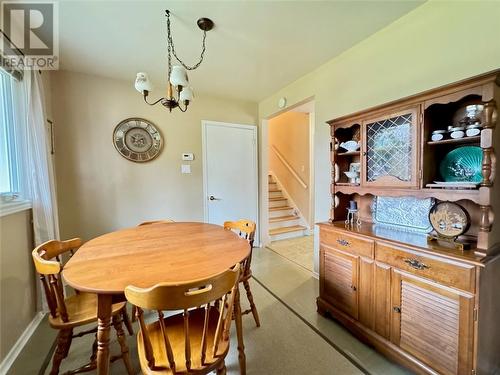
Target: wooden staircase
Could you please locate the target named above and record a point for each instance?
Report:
(284, 221)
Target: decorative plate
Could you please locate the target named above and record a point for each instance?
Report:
(137, 139)
(449, 219)
(462, 164)
(404, 213)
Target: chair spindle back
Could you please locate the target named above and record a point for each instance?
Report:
(215, 294)
(50, 272)
(245, 229)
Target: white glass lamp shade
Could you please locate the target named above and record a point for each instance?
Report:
(186, 94)
(142, 82)
(178, 76)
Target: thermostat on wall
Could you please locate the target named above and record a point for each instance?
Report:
(187, 156)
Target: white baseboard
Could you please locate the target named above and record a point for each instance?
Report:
(20, 343)
(315, 275)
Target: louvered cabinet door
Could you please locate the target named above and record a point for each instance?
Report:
(433, 323)
(340, 279)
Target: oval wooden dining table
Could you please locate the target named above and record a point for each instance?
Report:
(146, 255)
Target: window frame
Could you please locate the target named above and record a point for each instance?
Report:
(13, 200)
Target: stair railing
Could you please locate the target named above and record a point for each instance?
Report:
(288, 166)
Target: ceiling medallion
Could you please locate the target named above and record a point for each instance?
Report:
(177, 75)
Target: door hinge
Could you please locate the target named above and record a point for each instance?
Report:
(475, 314)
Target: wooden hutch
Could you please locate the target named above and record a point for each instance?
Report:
(426, 305)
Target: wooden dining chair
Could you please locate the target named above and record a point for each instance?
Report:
(155, 222)
(67, 313)
(246, 229)
(195, 341)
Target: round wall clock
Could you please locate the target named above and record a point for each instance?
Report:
(449, 219)
(137, 139)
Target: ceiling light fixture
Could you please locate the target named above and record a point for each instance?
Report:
(177, 75)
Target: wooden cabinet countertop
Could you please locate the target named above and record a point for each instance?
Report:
(410, 240)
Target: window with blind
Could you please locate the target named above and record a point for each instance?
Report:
(9, 170)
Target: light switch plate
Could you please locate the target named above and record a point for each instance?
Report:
(187, 156)
(185, 168)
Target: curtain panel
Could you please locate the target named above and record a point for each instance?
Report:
(38, 176)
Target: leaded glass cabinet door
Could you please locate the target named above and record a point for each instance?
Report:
(390, 149)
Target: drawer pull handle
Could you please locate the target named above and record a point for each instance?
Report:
(414, 263)
(343, 242)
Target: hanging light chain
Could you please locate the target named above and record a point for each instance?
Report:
(171, 48)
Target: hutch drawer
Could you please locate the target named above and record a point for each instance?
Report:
(342, 241)
(461, 276)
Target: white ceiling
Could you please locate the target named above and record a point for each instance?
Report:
(256, 47)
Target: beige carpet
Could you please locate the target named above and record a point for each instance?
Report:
(283, 345)
(299, 250)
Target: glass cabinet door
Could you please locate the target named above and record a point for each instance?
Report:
(390, 150)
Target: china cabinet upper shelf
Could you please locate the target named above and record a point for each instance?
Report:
(476, 139)
(348, 153)
(439, 144)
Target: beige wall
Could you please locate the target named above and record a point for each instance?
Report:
(426, 48)
(289, 133)
(17, 278)
(100, 191)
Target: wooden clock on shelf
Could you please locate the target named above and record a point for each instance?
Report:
(137, 139)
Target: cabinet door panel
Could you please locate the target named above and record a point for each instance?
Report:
(340, 280)
(391, 149)
(382, 296)
(433, 323)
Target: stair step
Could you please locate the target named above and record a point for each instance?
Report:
(274, 199)
(274, 190)
(280, 208)
(283, 218)
(293, 228)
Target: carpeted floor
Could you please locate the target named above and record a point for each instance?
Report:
(282, 345)
(293, 338)
(299, 250)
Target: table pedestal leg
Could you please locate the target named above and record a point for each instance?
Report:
(104, 302)
(239, 332)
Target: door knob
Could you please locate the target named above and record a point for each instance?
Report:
(212, 198)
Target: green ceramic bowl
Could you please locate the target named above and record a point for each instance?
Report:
(462, 164)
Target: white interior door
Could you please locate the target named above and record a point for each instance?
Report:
(229, 172)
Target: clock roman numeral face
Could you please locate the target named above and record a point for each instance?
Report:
(137, 140)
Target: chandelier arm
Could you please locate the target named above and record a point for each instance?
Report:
(146, 100)
(180, 108)
(171, 48)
